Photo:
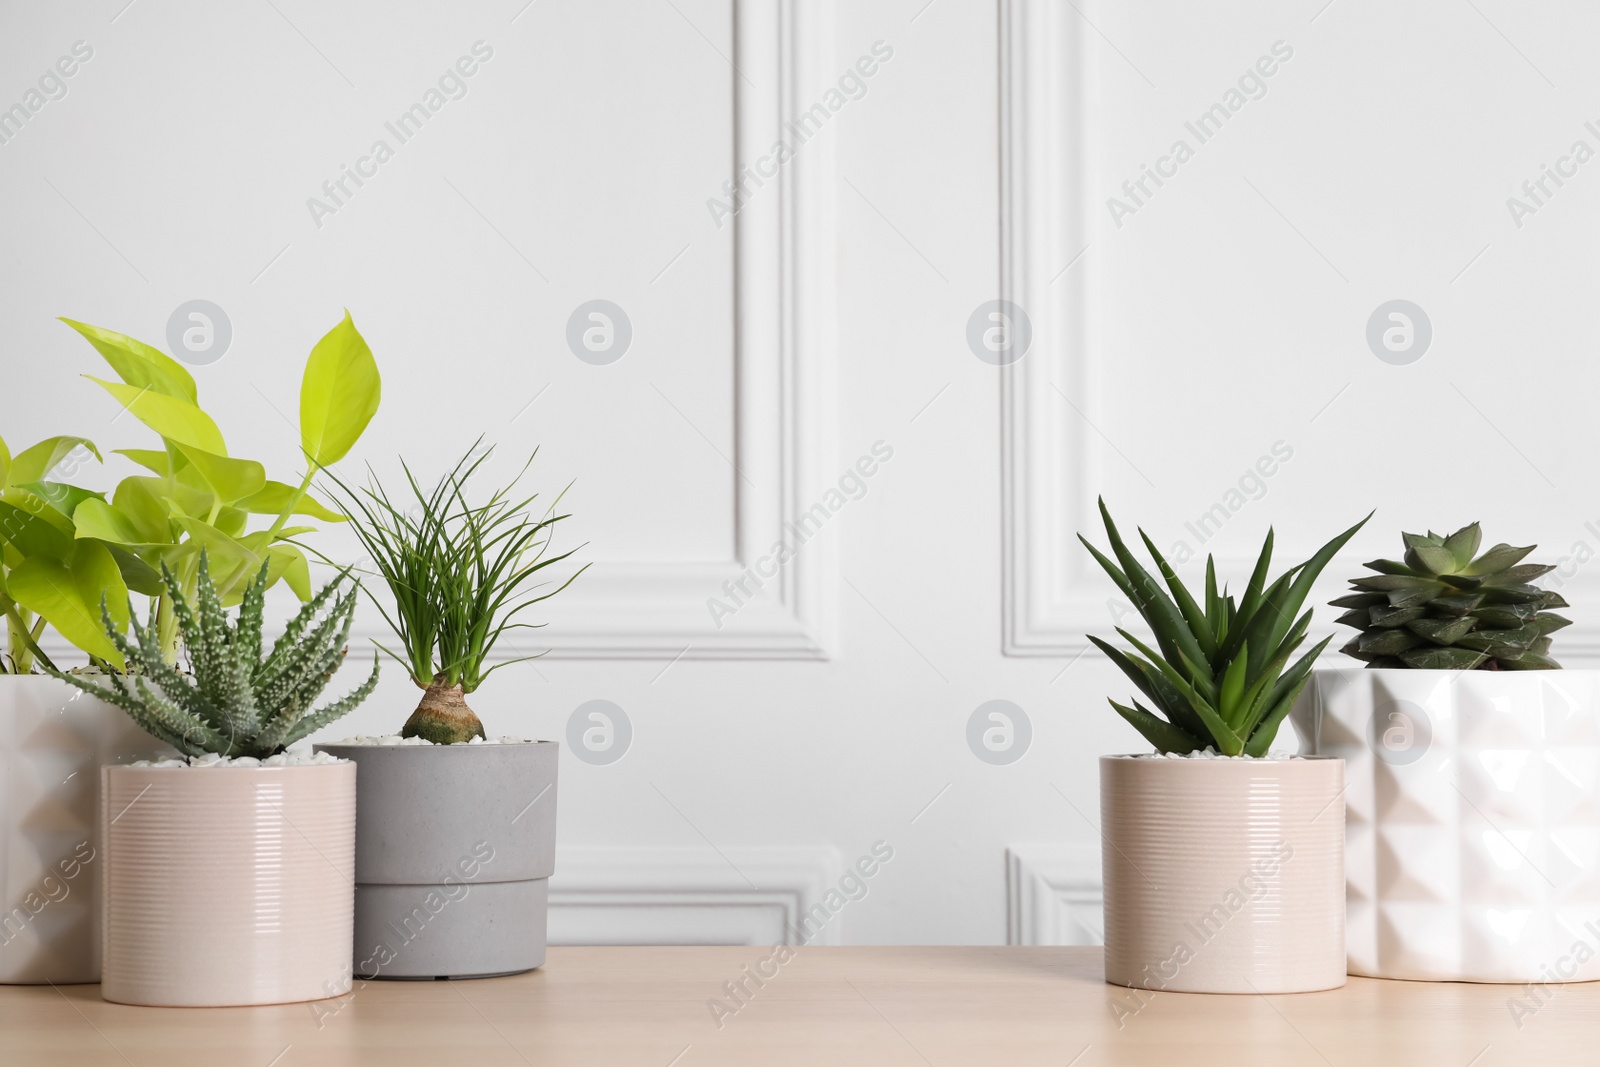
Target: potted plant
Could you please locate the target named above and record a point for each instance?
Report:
(455, 840)
(52, 740)
(1259, 906)
(65, 549)
(1472, 763)
(228, 876)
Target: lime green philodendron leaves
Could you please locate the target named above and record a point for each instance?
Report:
(1219, 676)
(46, 574)
(139, 365)
(179, 421)
(339, 394)
(32, 464)
(68, 591)
(65, 549)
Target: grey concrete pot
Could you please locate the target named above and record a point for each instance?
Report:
(454, 848)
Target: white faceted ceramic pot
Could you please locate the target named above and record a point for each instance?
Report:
(1223, 875)
(228, 886)
(53, 740)
(1473, 819)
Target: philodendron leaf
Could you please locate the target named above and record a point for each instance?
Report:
(107, 522)
(163, 496)
(32, 534)
(61, 497)
(276, 496)
(32, 464)
(172, 417)
(232, 521)
(289, 563)
(142, 500)
(68, 593)
(153, 459)
(139, 576)
(137, 364)
(229, 479)
(338, 394)
(228, 558)
(5, 464)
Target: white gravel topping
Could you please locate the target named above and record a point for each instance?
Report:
(1212, 753)
(396, 739)
(211, 759)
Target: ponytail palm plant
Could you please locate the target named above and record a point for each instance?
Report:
(461, 569)
(1219, 675)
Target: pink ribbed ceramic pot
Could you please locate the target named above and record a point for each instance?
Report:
(1223, 875)
(227, 886)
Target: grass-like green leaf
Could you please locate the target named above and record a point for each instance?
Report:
(462, 568)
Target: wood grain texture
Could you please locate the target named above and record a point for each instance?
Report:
(836, 1006)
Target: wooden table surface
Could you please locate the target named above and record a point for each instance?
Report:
(833, 1006)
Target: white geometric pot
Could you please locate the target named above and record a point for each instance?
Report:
(1472, 819)
(1223, 875)
(228, 886)
(53, 741)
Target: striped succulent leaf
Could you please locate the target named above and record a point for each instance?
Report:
(233, 702)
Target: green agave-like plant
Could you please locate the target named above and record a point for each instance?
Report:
(65, 548)
(1218, 673)
(234, 701)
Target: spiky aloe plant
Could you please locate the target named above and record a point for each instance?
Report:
(1217, 674)
(235, 702)
(1447, 608)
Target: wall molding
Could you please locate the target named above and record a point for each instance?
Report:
(1049, 398)
(1051, 236)
(784, 350)
(784, 284)
(1053, 895)
(686, 896)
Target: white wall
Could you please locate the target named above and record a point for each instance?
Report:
(772, 352)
